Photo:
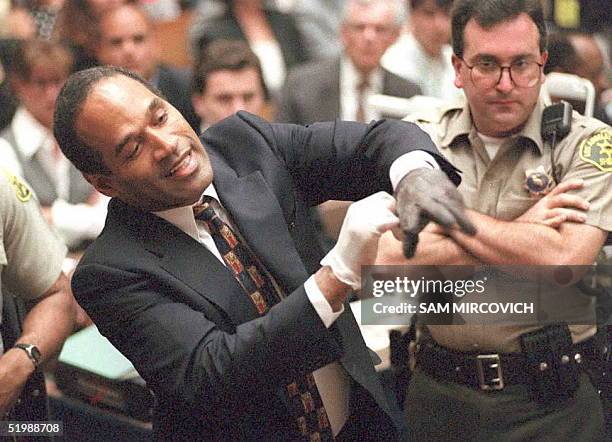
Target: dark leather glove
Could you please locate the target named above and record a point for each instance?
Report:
(425, 195)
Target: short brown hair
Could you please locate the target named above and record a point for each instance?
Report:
(220, 55)
(489, 13)
(30, 53)
(445, 5)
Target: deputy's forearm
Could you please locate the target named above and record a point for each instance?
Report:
(506, 242)
(432, 249)
(51, 320)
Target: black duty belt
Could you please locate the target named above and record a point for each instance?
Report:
(491, 371)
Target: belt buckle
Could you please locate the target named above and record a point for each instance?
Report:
(484, 365)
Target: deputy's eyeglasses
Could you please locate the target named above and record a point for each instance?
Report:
(523, 73)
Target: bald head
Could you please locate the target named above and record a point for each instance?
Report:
(126, 40)
(591, 61)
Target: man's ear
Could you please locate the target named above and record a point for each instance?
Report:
(102, 183)
(198, 104)
(544, 60)
(457, 62)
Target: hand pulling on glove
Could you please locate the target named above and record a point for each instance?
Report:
(425, 195)
(366, 220)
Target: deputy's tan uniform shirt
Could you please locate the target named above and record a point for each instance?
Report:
(31, 255)
(497, 188)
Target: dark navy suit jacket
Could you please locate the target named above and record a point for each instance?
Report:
(182, 319)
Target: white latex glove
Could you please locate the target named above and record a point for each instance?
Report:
(365, 222)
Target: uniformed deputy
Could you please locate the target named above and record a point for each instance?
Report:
(30, 269)
(532, 205)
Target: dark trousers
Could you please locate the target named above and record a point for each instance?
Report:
(446, 411)
(367, 422)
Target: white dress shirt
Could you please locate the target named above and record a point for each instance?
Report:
(350, 79)
(435, 75)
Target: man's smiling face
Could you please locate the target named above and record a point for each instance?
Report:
(156, 160)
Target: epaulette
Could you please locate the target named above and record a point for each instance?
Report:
(431, 110)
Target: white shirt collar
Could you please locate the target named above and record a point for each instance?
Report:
(349, 80)
(350, 77)
(182, 217)
(29, 133)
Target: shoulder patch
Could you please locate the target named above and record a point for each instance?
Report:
(597, 149)
(22, 191)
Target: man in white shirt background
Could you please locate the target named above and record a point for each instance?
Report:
(423, 54)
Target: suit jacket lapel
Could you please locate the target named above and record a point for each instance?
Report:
(189, 262)
(260, 219)
(328, 92)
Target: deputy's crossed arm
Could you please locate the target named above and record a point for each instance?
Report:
(555, 224)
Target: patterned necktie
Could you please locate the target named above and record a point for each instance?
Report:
(304, 398)
(362, 86)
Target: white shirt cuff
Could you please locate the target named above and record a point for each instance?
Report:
(320, 304)
(408, 162)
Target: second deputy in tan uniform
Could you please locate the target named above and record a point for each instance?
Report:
(505, 177)
(480, 382)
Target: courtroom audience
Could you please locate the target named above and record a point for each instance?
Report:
(339, 87)
(271, 34)
(28, 148)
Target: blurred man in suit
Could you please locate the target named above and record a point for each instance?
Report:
(227, 79)
(126, 39)
(340, 87)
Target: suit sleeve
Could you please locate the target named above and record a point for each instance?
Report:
(185, 356)
(286, 111)
(345, 160)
